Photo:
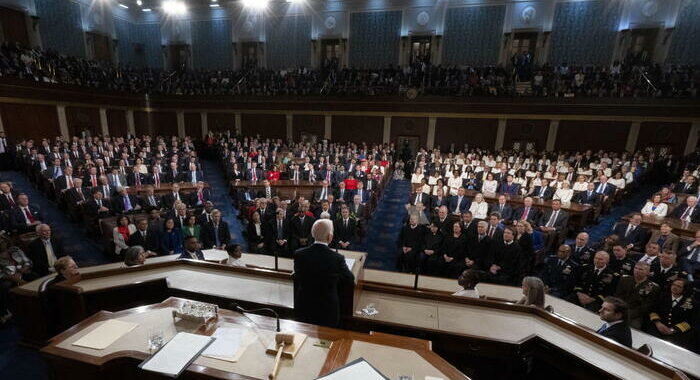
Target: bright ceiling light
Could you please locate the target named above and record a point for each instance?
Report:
(139, 3)
(123, 6)
(174, 7)
(214, 5)
(255, 4)
(146, 9)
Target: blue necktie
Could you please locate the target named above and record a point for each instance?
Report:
(127, 203)
(603, 328)
(216, 235)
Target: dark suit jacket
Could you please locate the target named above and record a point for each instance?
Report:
(5, 203)
(91, 208)
(424, 198)
(73, 197)
(17, 217)
(186, 176)
(583, 198)
(681, 188)
(463, 206)
(37, 253)
(146, 203)
(185, 255)
(609, 188)
(169, 199)
(209, 237)
(532, 216)
(677, 212)
(345, 197)
(272, 226)
(118, 203)
(263, 194)
(548, 193)
(131, 179)
(559, 224)
(635, 237)
(506, 212)
(340, 233)
(321, 279)
(619, 332)
(193, 198)
(511, 189)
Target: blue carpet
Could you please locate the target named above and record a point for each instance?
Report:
(17, 362)
(220, 197)
(72, 236)
(385, 226)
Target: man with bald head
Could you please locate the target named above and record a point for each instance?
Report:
(321, 279)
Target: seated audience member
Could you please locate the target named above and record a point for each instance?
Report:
(588, 196)
(468, 224)
(560, 272)
(438, 200)
(672, 317)
(150, 200)
(687, 186)
(506, 261)
(267, 191)
(216, 234)
(503, 209)
(527, 212)
(44, 251)
(410, 243)
(357, 209)
(655, 207)
(667, 240)
(255, 235)
(430, 255)
(360, 192)
(650, 256)
(595, 282)
(632, 234)
(687, 212)
(614, 313)
(65, 269)
(509, 187)
(344, 230)
(200, 196)
(192, 249)
(135, 255)
(170, 198)
(533, 292)
(98, 207)
(553, 224)
(605, 189)
(524, 236)
(204, 216)
(453, 252)
(639, 292)
(191, 228)
(15, 270)
(322, 193)
(667, 271)
(245, 197)
(300, 228)
(155, 222)
(620, 262)
(171, 239)
(121, 233)
(564, 194)
(468, 281)
(24, 217)
(235, 256)
(459, 203)
(668, 196)
(479, 248)
(145, 237)
(279, 234)
(8, 198)
(479, 208)
(690, 257)
(581, 251)
(495, 228)
(544, 191)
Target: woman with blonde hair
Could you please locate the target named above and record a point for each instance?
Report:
(533, 292)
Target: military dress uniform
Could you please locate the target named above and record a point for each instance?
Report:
(594, 283)
(622, 267)
(677, 315)
(664, 278)
(560, 276)
(640, 298)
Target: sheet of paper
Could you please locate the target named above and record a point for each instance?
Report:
(230, 343)
(177, 354)
(350, 263)
(106, 334)
(215, 255)
(357, 369)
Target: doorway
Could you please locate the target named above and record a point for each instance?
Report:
(420, 49)
(331, 53)
(178, 57)
(249, 55)
(408, 146)
(641, 50)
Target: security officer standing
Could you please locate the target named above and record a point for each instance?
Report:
(639, 292)
(596, 282)
(560, 272)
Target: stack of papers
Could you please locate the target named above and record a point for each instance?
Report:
(350, 263)
(177, 354)
(106, 334)
(230, 343)
(356, 369)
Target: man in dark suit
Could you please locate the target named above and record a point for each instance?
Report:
(689, 186)
(192, 175)
(200, 196)
(420, 197)
(136, 178)
(478, 248)
(279, 235)
(632, 234)
(459, 203)
(357, 209)
(468, 224)
(301, 228)
(97, 207)
(370, 184)
(527, 212)
(344, 230)
(410, 243)
(144, 237)
(503, 209)
(8, 197)
(505, 267)
(322, 193)
(614, 312)
(170, 198)
(108, 191)
(543, 191)
(192, 250)
(553, 224)
(342, 194)
(254, 174)
(361, 192)
(216, 234)
(321, 279)
(172, 174)
(44, 251)
(125, 203)
(588, 197)
(151, 201)
(508, 187)
(687, 212)
(24, 217)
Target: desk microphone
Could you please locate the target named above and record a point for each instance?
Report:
(237, 307)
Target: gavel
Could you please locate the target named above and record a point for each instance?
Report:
(281, 339)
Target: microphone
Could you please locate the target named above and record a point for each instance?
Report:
(237, 307)
(276, 260)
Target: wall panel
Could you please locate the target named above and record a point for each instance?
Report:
(14, 26)
(375, 38)
(193, 124)
(29, 121)
(311, 124)
(60, 26)
(581, 135)
(267, 126)
(164, 123)
(473, 35)
(409, 126)
(358, 129)
(288, 41)
(683, 49)
(479, 133)
(142, 123)
(212, 47)
(526, 130)
(116, 120)
(221, 122)
(674, 135)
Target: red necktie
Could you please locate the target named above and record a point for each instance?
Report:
(94, 180)
(10, 200)
(255, 177)
(527, 211)
(201, 198)
(29, 216)
(157, 181)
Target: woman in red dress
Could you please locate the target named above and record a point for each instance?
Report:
(350, 182)
(274, 174)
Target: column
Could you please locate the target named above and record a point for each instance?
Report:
(2, 127)
(104, 125)
(500, 134)
(692, 138)
(63, 121)
(180, 124)
(327, 124)
(289, 118)
(632, 137)
(432, 121)
(130, 127)
(386, 137)
(552, 135)
(205, 125)
(238, 124)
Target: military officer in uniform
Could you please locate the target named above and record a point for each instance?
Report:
(596, 282)
(668, 271)
(639, 292)
(620, 263)
(560, 272)
(672, 316)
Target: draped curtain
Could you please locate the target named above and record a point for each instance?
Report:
(686, 36)
(473, 35)
(61, 27)
(211, 44)
(288, 42)
(375, 39)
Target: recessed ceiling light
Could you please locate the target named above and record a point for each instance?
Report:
(214, 5)
(146, 9)
(123, 6)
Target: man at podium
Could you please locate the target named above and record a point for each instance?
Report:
(319, 276)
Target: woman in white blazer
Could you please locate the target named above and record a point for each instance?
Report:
(479, 207)
(655, 207)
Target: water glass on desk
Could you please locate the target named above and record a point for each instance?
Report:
(155, 340)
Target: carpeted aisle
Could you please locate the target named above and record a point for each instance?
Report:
(222, 201)
(385, 225)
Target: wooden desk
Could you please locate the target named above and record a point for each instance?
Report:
(680, 228)
(285, 188)
(390, 354)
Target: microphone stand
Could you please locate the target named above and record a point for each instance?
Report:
(237, 307)
(276, 260)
